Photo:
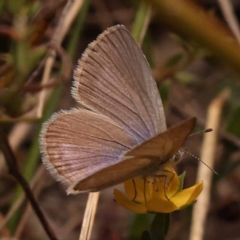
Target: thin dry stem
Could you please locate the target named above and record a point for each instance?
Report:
(89, 216)
(21, 224)
(228, 12)
(28, 209)
(46, 76)
(14, 171)
(72, 9)
(207, 155)
(69, 13)
(16, 137)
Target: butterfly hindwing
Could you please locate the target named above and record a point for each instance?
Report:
(78, 143)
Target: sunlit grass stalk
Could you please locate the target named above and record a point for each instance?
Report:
(208, 155)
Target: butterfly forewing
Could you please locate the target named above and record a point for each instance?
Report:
(114, 78)
(144, 159)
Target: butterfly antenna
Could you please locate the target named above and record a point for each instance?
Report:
(200, 132)
(192, 155)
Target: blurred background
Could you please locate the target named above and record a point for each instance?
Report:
(194, 52)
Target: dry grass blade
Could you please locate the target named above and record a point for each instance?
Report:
(69, 13)
(207, 155)
(89, 216)
(228, 13)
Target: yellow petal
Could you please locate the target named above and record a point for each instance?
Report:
(121, 199)
(188, 195)
(138, 189)
(160, 205)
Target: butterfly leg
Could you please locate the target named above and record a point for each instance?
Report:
(144, 189)
(165, 177)
(135, 190)
(171, 172)
(165, 184)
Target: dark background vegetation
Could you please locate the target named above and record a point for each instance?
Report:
(190, 71)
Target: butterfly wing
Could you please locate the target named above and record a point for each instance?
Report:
(78, 143)
(174, 136)
(114, 79)
(140, 161)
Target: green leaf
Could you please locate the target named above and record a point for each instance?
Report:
(147, 49)
(139, 223)
(185, 77)
(181, 180)
(160, 225)
(139, 21)
(164, 90)
(174, 60)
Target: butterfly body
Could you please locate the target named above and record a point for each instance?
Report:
(120, 132)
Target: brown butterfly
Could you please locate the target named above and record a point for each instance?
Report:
(120, 130)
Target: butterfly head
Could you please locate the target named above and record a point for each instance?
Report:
(177, 157)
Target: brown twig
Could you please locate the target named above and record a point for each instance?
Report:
(37, 71)
(16, 137)
(27, 211)
(14, 171)
(64, 77)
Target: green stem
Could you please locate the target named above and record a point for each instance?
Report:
(141, 21)
(77, 29)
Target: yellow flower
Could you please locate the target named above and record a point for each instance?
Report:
(161, 194)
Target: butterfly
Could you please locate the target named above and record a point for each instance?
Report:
(119, 132)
